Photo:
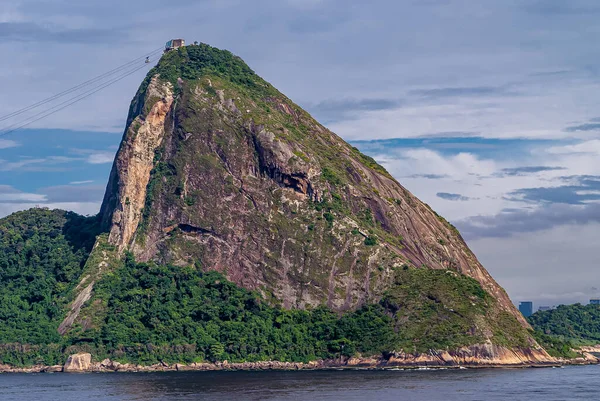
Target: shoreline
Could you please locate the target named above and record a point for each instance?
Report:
(108, 366)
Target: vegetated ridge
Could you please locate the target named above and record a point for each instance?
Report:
(567, 328)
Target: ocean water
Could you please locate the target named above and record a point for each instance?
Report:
(569, 383)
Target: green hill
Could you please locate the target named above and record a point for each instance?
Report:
(237, 227)
(575, 322)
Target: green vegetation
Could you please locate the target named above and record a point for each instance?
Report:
(154, 313)
(193, 62)
(371, 163)
(42, 254)
(565, 328)
(366, 217)
(154, 308)
(370, 241)
(159, 174)
(302, 156)
(443, 220)
(169, 306)
(331, 177)
(440, 309)
(556, 346)
(572, 322)
(148, 313)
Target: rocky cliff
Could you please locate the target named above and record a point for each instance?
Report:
(220, 170)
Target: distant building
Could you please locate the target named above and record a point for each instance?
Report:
(526, 308)
(543, 308)
(174, 44)
(594, 301)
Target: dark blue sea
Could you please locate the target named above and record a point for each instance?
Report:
(569, 383)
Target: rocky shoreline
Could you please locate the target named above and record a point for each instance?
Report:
(460, 359)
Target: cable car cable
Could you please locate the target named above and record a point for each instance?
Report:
(81, 85)
(76, 100)
(92, 89)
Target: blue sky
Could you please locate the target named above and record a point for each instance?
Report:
(488, 110)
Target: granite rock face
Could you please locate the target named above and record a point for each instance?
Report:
(220, 170)
(78, 363)
(135, 162)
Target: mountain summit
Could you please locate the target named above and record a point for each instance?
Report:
(219, 171)
(217, 167)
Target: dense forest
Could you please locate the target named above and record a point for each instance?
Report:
(42, 254)
(150, 313)
(207, 317)
(575, 322)
(565, 328)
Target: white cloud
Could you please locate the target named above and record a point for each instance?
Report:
(9, 12)
(480, 178)
(10, 194)
(7, 143)
(94, 156)
(549, 267)
(540, 112)
(8, 166)
(12, 200)
(81, 182)
(83, 208)
(592, 147)
(48, 163)
(464, 174)
(101, 158)
(22, 197)
(592, 192)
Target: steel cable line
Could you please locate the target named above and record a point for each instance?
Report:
(93, 89)
(69, 102)
(81, 85)
(75, 88)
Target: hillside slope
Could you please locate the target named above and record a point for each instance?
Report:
(575, 322)
(217, 166)
(317, 244)
(42, 254)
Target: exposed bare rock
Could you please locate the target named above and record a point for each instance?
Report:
(227, 173)
(76, 305)
(476, 356)
(96, 265)
(242, 198)
(53, 369)
(135, 160)
(78, 363)
(122, 210)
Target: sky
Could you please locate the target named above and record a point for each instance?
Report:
(486, 110)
